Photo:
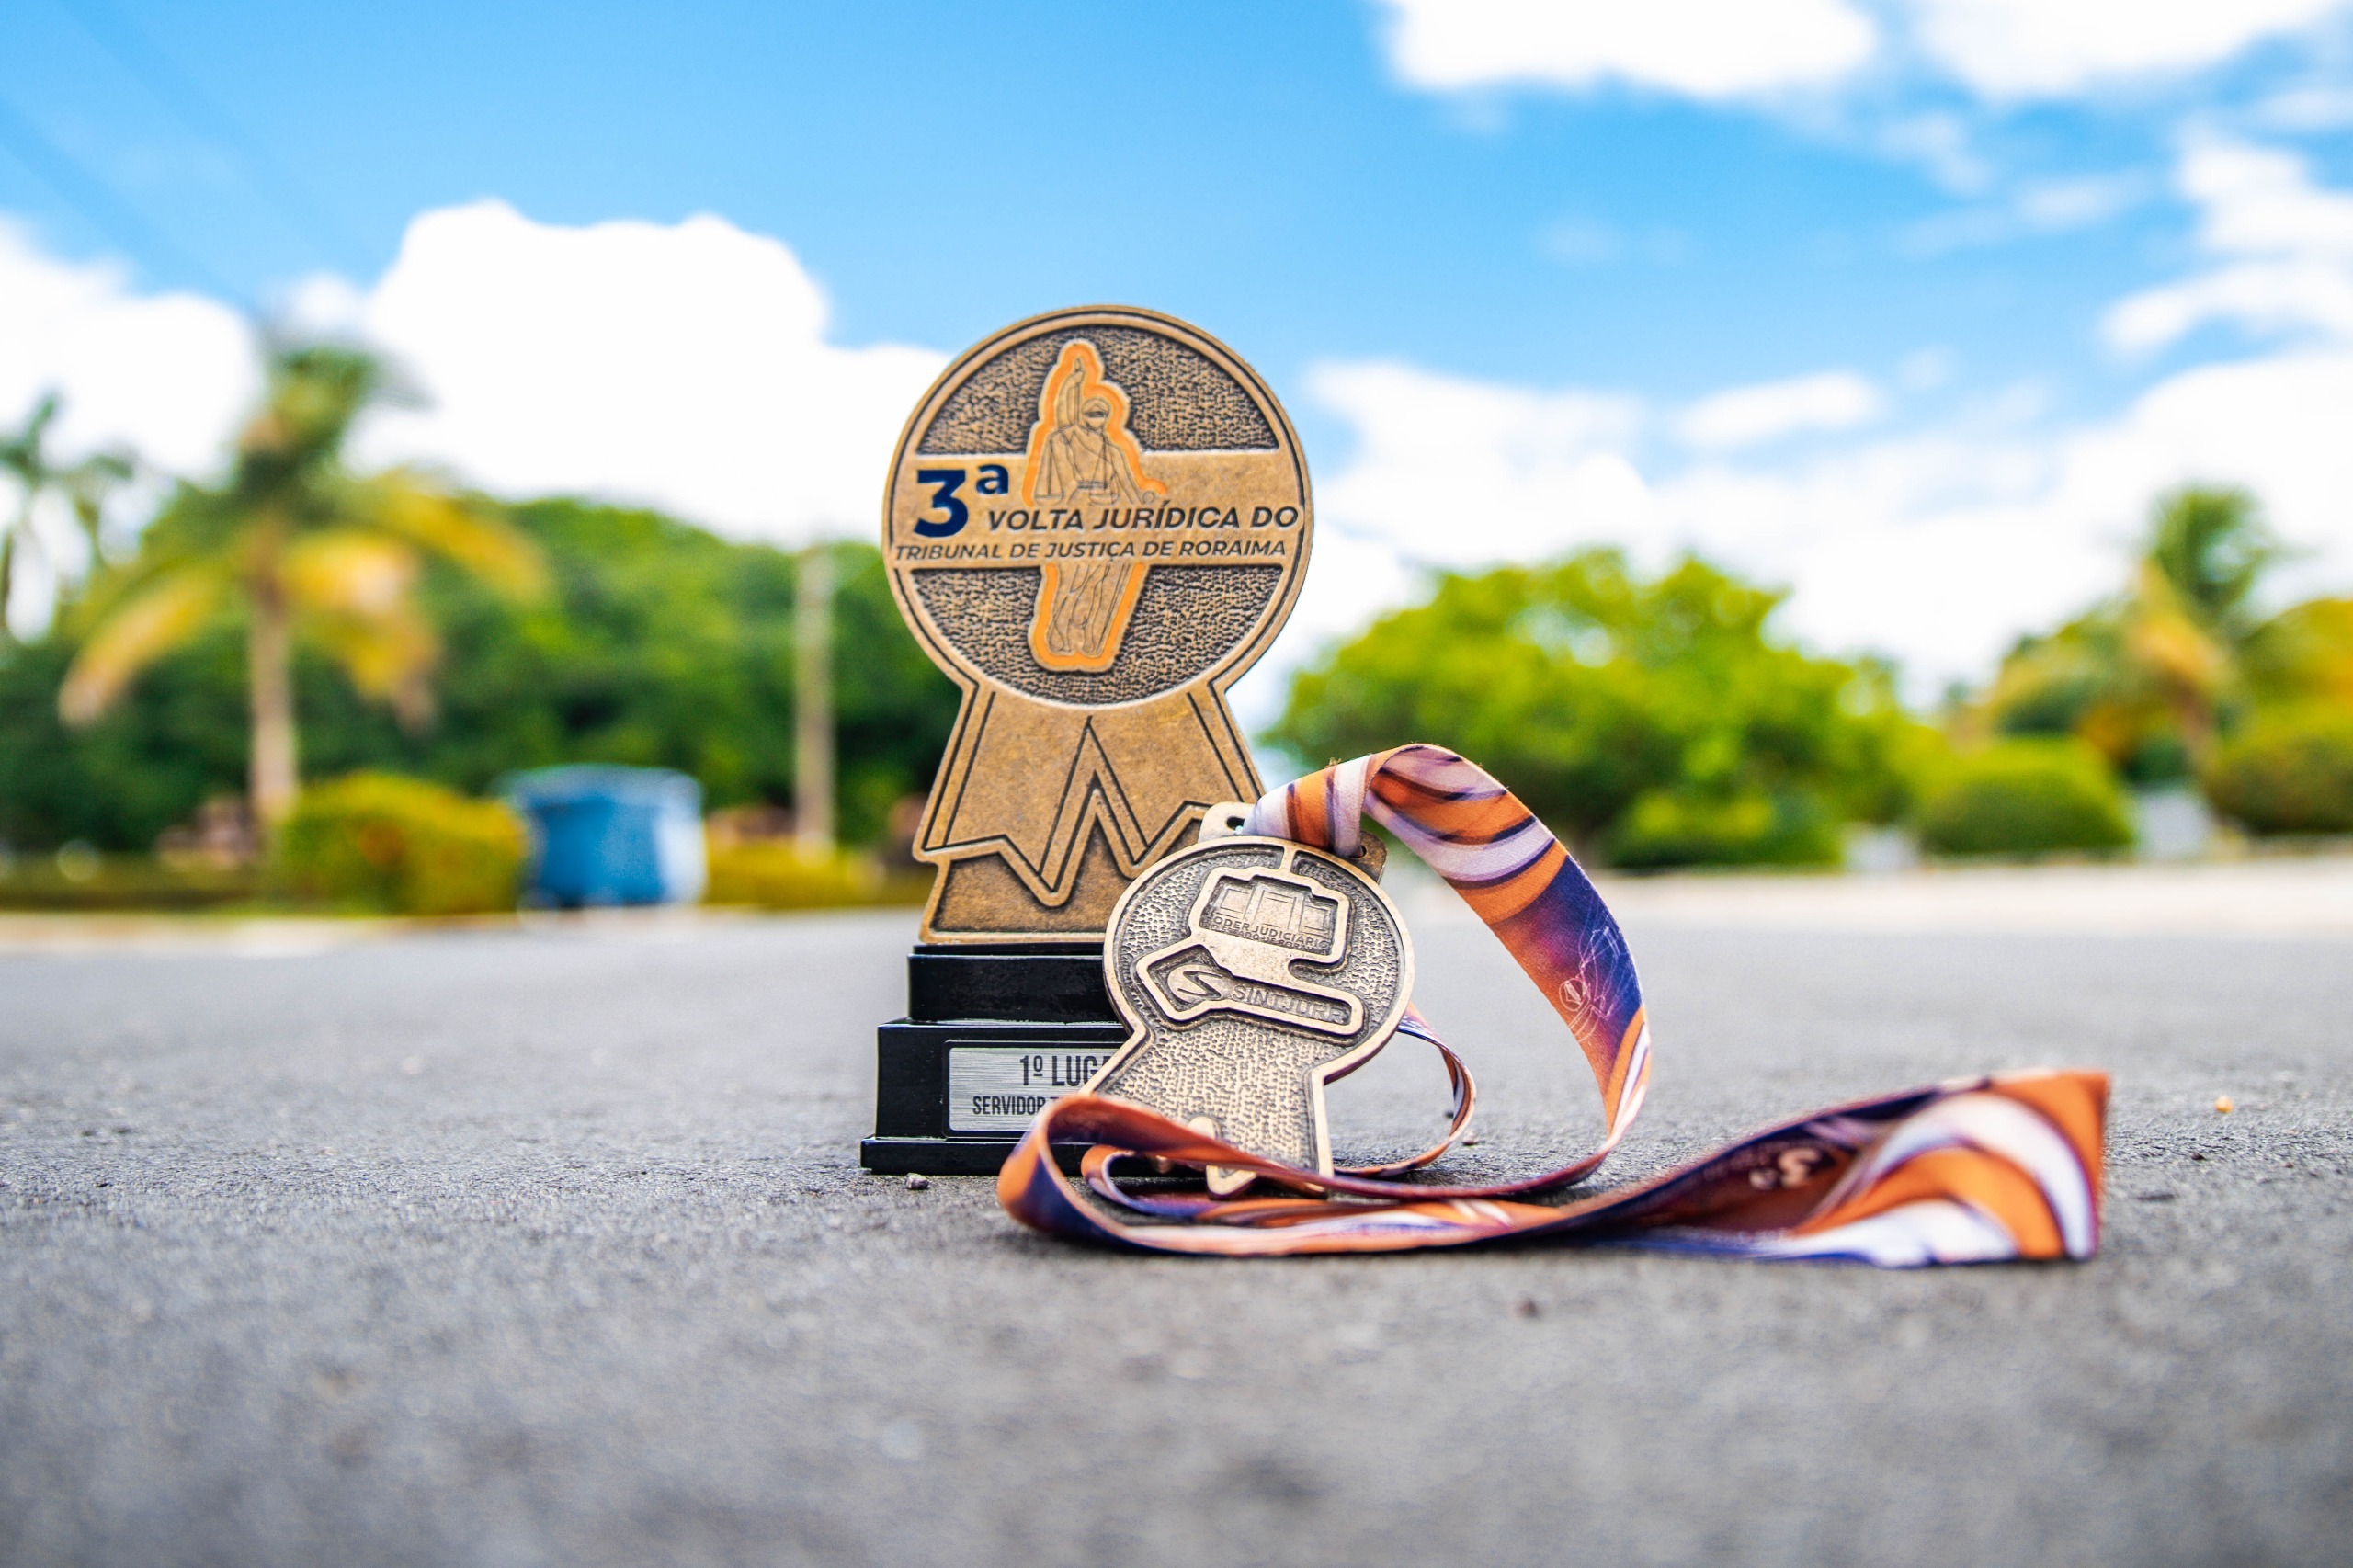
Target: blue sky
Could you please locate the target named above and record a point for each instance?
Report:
(942, 168)
(1503, 260)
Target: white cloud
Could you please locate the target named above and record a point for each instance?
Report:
(2040, 206)
(1884, 538)
(163, 373)
(2007, 49)
(1707, 49)
(2275, 424)
(1942, 546)
(2079, 200)
(2267, 296)
(1938, 543)
(2312, 105)
(2002, 50)
(1457, 470)
(1942, 143)
(682, 365)
(1742, 417)
(166, 372)
(2261, 202)
(2288, 245)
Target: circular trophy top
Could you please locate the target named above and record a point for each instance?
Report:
(1096, 507)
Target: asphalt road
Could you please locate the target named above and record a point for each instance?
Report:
(551, 1247)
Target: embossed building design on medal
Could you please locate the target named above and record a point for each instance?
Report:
(1095, 522)
(1252, 973)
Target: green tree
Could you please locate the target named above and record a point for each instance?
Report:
(83, 486)
(2209, 549)
(2302, 654)
(1651, 722)
(661, 645)
(301, 546)
(2150, 676)
(656, 645)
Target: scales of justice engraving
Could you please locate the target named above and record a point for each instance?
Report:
(1096, 521)
(1252, 973)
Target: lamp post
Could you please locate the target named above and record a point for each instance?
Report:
(812, 708)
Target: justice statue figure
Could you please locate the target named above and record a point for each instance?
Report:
(1080, 453)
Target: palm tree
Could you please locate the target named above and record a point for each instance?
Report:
(2191, 613)
(305, 547)
(83, 486)
(2211, 547)
(2165, 658)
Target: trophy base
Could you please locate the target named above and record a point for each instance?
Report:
(992, 1034)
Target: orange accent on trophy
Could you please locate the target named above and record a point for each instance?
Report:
(1081, 452)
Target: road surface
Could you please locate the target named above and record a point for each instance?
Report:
(550, 1247)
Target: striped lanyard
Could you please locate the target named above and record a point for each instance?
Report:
(1976, 1170)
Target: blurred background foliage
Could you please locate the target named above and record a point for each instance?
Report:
(2184, 678)
(657, 644)
(779, 874)
(2154, 676)
(1651, 722)
(1654, 719)
(2289, 770)
(377, 843)
(298, 546)
(1661, 722)
(2024, 797)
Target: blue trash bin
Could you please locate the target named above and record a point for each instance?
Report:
(606, 835)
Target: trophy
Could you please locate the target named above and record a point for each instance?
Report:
(1096, 520)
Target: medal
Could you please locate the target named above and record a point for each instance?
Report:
(1251, 971)
(1260, 965)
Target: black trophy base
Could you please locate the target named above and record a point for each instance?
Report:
(990, 1037)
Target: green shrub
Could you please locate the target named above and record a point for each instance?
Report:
(774, 874)
(2025, 798)
(2290, 771)
(401, 844)
(1685, 827)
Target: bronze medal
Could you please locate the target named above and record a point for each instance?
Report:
(1252, 972)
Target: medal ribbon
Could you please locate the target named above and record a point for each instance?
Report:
(1974, 1170)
